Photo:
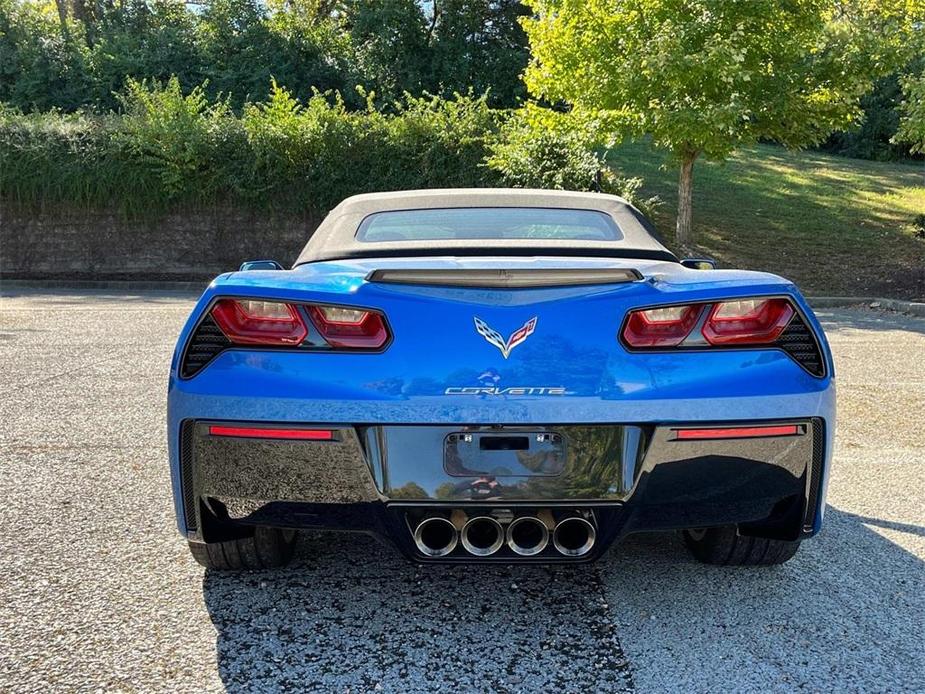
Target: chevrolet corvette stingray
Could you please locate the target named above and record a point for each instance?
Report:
(495, 375)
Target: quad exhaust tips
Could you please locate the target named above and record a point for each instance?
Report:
(483, 536)
(574, 537)
(435, 537)
(527, 536)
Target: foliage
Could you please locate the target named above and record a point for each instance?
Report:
(44, 62)
(440, 47)
(323, 147)
(152, 41)
(391, 43)
(871, 137)
(82, 55)
(542, 149)
(479, 45)
(171, 148)
(702, 76)
(699, 76)
(174, 136)
(912, 126)
(890, 35)
(918, 226)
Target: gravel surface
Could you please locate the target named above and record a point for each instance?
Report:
(99, 593)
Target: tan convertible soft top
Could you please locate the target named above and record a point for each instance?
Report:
(335, 238)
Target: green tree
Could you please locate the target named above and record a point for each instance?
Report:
(478, 45)
(153, 40)
(74, 54)
(43, 58)
(701, 77)
(871, 138)
(911, 40)
(390, 40)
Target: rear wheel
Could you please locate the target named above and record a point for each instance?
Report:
(726, 547)
(265, 548)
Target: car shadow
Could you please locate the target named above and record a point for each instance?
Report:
(351, 614)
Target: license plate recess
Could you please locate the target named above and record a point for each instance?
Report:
(504, 453)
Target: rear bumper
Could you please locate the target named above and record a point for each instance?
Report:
(382, 479)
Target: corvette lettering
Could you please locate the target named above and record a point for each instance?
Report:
(514, 390)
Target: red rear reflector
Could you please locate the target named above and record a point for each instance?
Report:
(747, 321)
(667, 326)
(349, 328)
(257, 322)
(739, 432)
(267, 433)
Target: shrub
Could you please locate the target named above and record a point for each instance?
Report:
(179, 139)
(304, 156)
(170, 149)
(439, 143)
(542, 149)
(51, 157)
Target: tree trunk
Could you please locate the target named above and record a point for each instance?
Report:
(684, 231)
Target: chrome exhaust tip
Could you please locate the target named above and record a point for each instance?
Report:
(482, 536)
(574, 537)
(527, 536)
(435, 537)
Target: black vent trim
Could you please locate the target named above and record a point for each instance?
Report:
(815, 474)
(206, 343)
(798, 341)
(186, 474)
(506, 278)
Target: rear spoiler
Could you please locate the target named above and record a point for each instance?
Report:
(506, 278)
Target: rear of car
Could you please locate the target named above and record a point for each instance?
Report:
(505, 398)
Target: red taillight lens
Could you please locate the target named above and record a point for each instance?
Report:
(660, 327)
(272, 433)
(256, 322)
(738, 432)
(747, 321)
(349, 327)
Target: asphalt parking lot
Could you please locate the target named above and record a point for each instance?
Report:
(97, 591)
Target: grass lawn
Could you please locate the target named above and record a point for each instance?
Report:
(833, 225)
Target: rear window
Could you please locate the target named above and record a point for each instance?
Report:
(489, 223)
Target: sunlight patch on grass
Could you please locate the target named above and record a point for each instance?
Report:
(833, 225)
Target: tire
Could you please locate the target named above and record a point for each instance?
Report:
(725, 547)
(265, 548)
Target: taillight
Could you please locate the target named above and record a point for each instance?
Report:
(349, 328)
(668, 326)
(257, 322)
(746, 432)
(747, 321)
(280, 324)
(739, 322)
(273, 433)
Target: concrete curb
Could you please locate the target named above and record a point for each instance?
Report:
(114, 285)
(914, 308)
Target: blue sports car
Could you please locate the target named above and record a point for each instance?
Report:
(498, 376)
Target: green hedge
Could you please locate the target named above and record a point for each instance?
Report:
(168, 150)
